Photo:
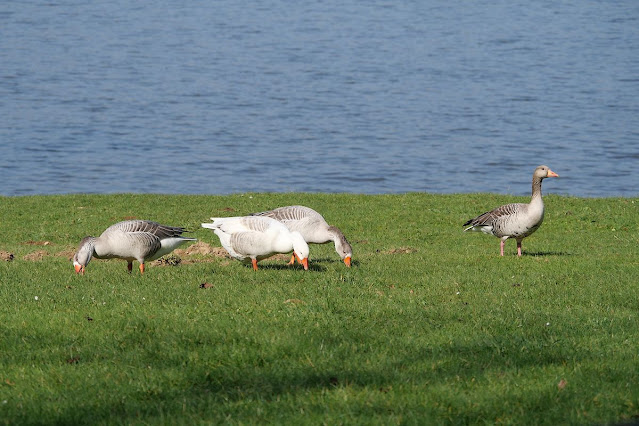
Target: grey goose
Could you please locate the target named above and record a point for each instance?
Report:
(140, 240)
(517, 220)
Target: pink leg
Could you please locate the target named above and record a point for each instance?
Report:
(519, 248)
(501, 247)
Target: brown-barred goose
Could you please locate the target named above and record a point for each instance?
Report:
(140, 240)
(313, 228)
(517, 220)
(256, 238)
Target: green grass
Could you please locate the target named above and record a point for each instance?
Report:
(430, 325)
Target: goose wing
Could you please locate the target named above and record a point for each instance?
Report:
(251, 243)
(157, 229)
(144, 244)
(490, 217)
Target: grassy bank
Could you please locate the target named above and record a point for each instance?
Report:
(430, 325)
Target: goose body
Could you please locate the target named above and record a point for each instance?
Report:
(313, 228)
(517, 220)
(255, 238)
(140, 240)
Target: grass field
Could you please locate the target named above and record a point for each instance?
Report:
(429, 326)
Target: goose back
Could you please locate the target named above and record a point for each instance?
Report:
(302, 219)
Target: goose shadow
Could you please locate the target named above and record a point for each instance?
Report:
(285, 267)
(332, 261)
(546, 253)
(314, 264)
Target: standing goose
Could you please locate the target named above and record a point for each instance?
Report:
(313, 228)
(517, 220)
(256, 238)
(140, 240)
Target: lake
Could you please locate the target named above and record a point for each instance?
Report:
(331, 96)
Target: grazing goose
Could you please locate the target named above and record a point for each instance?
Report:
(140, 240)
(313, 228)
(256, 238)
(517, 220)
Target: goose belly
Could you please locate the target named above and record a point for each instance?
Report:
(114, 252)
(125, 256)
(167, 246)
(516, 227)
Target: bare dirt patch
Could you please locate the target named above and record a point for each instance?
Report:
(401, 250)
(199, 252)
(36, 256)
(6, 256)
(67, 254)
(168, 260)
(203, 249)
(282, 257)
(37, 243)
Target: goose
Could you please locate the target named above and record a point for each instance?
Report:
(517, 220)
(313, 228)
(257, 238)
(140, 240)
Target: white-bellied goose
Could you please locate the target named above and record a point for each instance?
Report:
(313, 228)
(257, 237)
(517, 220)
(140, 240)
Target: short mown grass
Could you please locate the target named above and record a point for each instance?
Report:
(429, 326)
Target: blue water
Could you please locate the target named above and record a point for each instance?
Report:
(330, 96)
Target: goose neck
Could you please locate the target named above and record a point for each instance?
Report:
(536, 188)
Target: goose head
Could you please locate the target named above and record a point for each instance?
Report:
(83, 256)
(543, 172)
(300, 248)
(345, 251)
(342, 246)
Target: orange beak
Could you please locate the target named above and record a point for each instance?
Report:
(302, 261)
(79, 269)
(347, 261)
(552, 174)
